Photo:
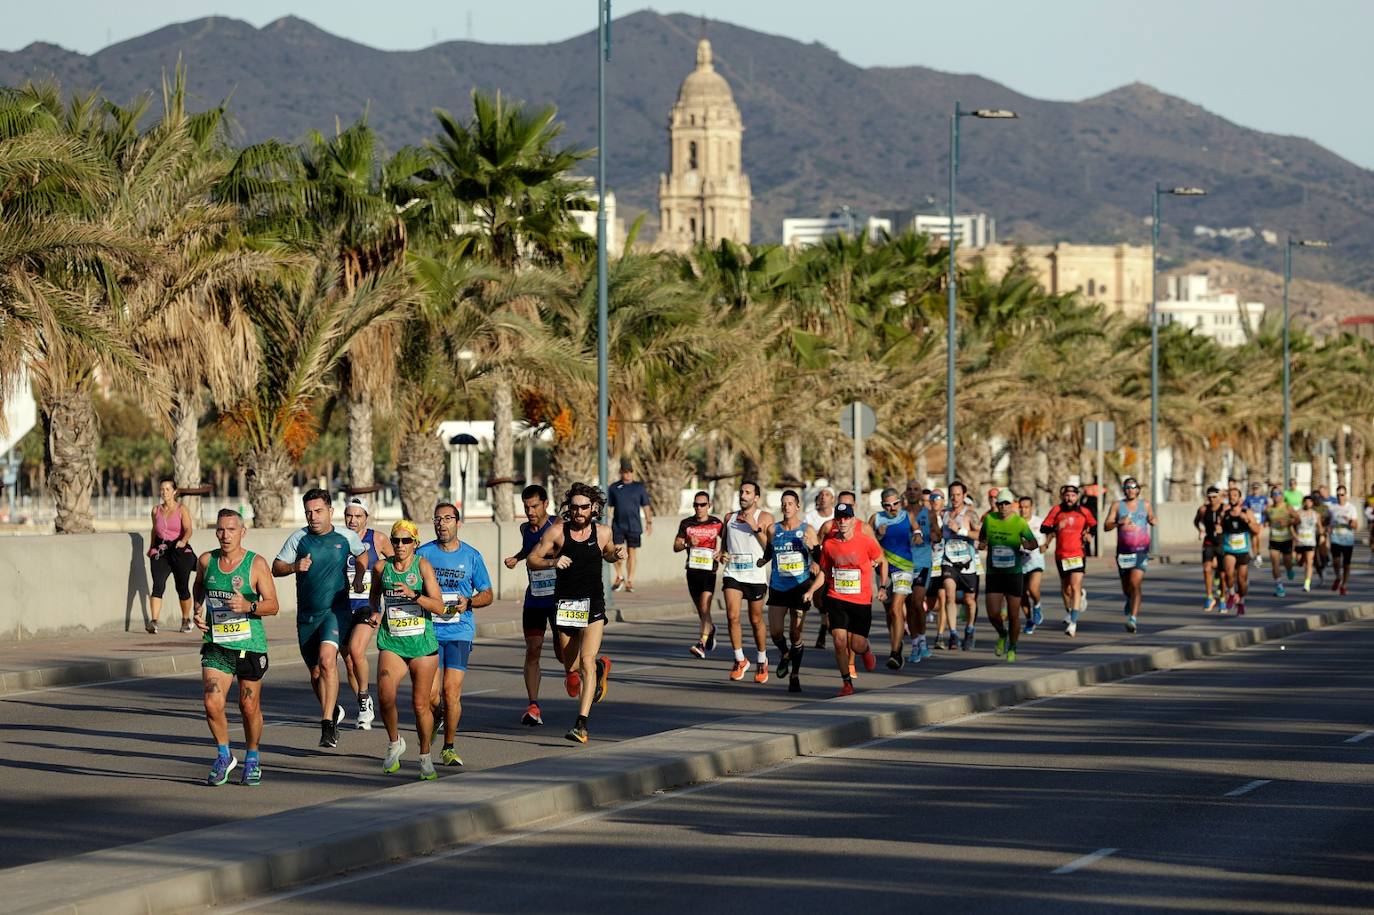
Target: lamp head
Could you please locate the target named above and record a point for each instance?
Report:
(993, 113)
(1188, 191)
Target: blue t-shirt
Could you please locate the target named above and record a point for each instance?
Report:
(1257, 504)
(920, 553)
(626, 499)
(460, 573)
(789, 548)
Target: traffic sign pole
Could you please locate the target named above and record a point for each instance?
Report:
(858, 457)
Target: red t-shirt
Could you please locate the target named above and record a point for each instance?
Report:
(1068, 525)
(701, 535)
(848, 567)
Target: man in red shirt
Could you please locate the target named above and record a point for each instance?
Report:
(848, 558)
(1066, 525)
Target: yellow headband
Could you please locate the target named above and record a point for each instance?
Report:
(405, 527)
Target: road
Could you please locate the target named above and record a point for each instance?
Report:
(1244, 783)
(91, 767)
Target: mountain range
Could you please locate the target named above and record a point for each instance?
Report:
(820, 132)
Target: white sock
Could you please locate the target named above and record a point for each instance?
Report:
(424, 758)
(393, 744)
(739, 654)
(763, 657)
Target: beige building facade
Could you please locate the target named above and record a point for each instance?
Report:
(1117, 276)
(705, 195)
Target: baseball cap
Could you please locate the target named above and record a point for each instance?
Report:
(1005, 495)
(1213, 491)
(361, 503)
(844, 510)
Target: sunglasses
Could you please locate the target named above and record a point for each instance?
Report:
(890, 504)
(402, 541)
(579, 506)
(1132, 486)
(701, 504)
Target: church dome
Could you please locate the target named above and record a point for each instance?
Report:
(704, 85)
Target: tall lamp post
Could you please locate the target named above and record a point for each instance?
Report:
(1287, 398)
(460, 447)
(986, 114)
(1154, 327)
(603, 403)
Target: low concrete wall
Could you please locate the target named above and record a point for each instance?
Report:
(66, 585)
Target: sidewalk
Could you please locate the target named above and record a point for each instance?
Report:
(102, 656)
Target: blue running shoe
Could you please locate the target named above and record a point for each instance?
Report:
(252, 772)
(1036, 616)
(219, 772)
(915, 656)
(925, 649)
(1029, 627)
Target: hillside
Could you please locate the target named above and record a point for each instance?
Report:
(820, 131)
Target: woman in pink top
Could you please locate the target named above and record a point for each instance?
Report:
(170, 554)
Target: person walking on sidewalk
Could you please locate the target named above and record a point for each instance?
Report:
(1132, 522)
(576, 546)
(464, 585)
(317, 555)
(170, 554)
(405, 597)
(356, 518)
(699, 536)
(626, 498)
(537, 615)
(233, 591)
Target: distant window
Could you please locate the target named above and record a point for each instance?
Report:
(1104, 286)
(692, 154)
(692, 119)
(1092, 287)
(692, 224)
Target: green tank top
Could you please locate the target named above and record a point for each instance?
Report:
(1004, 540)
(407, 629)
(228, 629)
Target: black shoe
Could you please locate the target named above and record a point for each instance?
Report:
(784, 664)
(329, 734)
(820, 639)
(894, 661)
(794, 685)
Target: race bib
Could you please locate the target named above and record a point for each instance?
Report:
(367, 579)
(701, 558)
(740, 562)
(451, 612)
(542, 582)
(1003, 557)
(936, 561)
(404, 620)
(957, 551)
(1307, 537)
(1127, 560)
(1237, 542)
(226, 626)
(846, 581)
(902, 581)
(792, 563)
(1071, 563)
(1342, 536)
(573, 614)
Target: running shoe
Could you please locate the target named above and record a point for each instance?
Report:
(577, 734)
(1291, 572)
(1344, 592)
(1037, 617)
(1230, 600)
(1307, 584)
(151, 627)
(953, 641)
(939, 644)
(1209, 605)
(572, 682)
(427, 773)
(1336, 585)
(329, 734)
(870, 660)
(617, 584)
(915, 656)
(438, 727)
(970, 640)
(185, 625)
(603, 672)
(762, 675)
(450, 757)
(925, 649)
(1240, 607)
(339, 715)
(711, 639)
(794, 685)
(366, 713)
(894, 661)
(1011, 654)
(846, 690)
(1071, 629)
(251, 774)
(698, 650)
(784, 664)
(392, 763)
(532, 717)
(1029, 627)
(1130, 624)
(739, 670)
(219, 771)
(1278, 589)
(1001, 647)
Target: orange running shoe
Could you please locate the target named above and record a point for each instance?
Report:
(603, 671)
(739, 670)
(572, 682)
(762, 675)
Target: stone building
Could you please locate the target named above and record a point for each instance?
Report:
(705, 195)
(1117, 276)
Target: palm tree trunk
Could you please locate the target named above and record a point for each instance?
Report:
(361, 470)
(792, 458)
(1342, 475)
(1357, 477)
(419, 468)
(571, 460)
(72, 438)
(723, 489)
(186, 447)
(666, 472)
(269, 485)
(1020, 469)
(503, 449)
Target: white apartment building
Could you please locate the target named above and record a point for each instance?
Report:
(804, 232)
(971, 230)
(1217, 314)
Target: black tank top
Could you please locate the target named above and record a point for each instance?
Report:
(1233, 524)
(1211, 524)
(582, 579)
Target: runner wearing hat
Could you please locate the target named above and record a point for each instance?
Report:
(1132, 522)
(1004, 533)
(1065, 524)
(847, 561)
(356, 517)
(1207, 521)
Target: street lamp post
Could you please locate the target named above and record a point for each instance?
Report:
(603, 403)
(1287, 397)
(1154, 327)
(986, 114)
(460, 447)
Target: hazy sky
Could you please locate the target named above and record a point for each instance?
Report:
(1277, 65)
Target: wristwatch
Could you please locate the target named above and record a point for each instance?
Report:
(253, 609)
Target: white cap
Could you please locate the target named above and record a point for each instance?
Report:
(360, 502)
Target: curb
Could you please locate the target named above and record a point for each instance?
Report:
(274, 852)
(161, 665)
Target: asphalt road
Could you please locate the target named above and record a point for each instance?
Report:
(85, 768)
(1244, 783)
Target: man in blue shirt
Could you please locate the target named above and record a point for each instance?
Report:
(465, 585)
(625, 498)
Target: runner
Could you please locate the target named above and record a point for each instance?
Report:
(823, 511)
(1032, 567)
(846, 562)
(170, 553)
(1132, 521)
(1207, 521)
(925, 539)
(959, 569)
(1291, 495)
(1005, 534)
(1065, 524)
(233, 591)
(1309, 525)
(464, 585)
(360, 636)
(1238, 529)
(317, 555)
(1321, 504)
(576, 547)
(1257, 502)
(935, 593)
(790, 586)
(625, 498)
(405, 598)
(1345, 521)
(746, 536)
(700, 538)
(892, 526)
(537, 615)
(823, 531)
(1280, 518)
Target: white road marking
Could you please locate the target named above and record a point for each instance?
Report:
(1086, 860)
(634, 670)
(1248, 787)
(1363, 735)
